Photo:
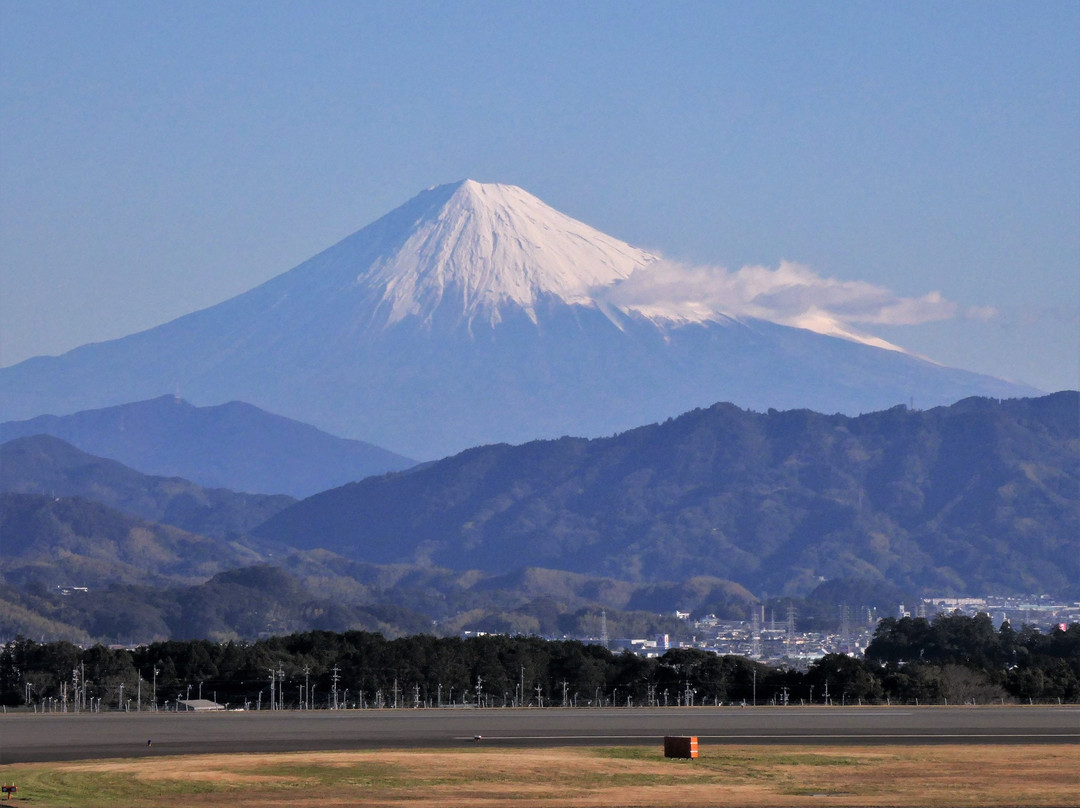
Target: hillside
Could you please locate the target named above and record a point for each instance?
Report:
(42, 464)
(78, 570)
(980, 496)
(320, 591)
(58, 541)
(234, 446)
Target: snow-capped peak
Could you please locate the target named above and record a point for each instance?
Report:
(469, 252)
(484, 246)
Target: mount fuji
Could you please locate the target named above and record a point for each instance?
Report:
(473, 314)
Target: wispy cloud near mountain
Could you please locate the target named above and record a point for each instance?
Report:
(791, 294)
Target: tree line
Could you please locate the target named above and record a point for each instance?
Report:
(952, 659)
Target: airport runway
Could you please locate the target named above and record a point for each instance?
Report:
(29, 737)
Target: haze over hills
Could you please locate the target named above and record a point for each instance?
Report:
(705, 512)
(48, 466)
(981, 496)
(234, 445)
(475, 314)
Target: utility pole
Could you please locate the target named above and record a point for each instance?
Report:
(755, 639)
(306, 699)
(334, 679)
(281, 687)
(790, 627)
(155, 688)
(273, 687)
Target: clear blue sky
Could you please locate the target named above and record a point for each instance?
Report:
(160, 157)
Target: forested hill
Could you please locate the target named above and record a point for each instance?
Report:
(980, 496)
(66, 541)
(43, 464)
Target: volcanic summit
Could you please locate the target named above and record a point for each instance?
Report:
(475, 313)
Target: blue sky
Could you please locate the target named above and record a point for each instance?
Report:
(160, 157)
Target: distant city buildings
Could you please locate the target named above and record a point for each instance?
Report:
(780, 643)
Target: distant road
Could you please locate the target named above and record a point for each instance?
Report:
(29, 738)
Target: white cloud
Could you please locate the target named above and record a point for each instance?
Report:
(791, 294)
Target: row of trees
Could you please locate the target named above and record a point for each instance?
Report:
(954, 659)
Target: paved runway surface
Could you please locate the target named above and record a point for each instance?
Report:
(28, 737)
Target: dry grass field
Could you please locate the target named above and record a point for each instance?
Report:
(573, 777)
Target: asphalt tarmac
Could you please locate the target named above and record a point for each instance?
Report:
(28, 737)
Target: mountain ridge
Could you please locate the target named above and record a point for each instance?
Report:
(73, 541)
(44, 464)
(980, 496)
(234, 446)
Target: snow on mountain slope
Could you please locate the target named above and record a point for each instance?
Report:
(455, 254)
(493, 245)
(475, 313)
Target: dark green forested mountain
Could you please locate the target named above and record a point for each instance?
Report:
(980, 496)
(696, 513)
(69, 541)
(145, 581)
(45, 465)
(320, 591)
